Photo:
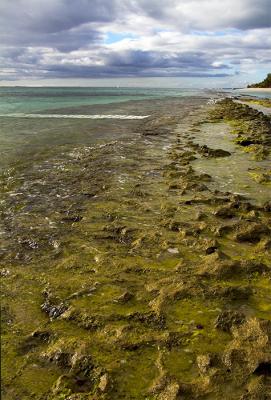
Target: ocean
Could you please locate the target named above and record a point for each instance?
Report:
(35, 118)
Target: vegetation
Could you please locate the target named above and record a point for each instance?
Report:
(266, 83)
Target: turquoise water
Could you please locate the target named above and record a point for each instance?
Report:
(35, 121)
(45, 99)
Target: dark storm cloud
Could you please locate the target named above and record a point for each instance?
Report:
(124, 64)
(52, 16)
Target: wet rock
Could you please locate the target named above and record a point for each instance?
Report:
(83, 319)
(29, 243)
(250, 267)
(54, 311)
(84, 292)
(173, 225)
(124, 297)
(219, 268)
(104, 383)
(193, 229)
(72, 218)
(207, 363)
(171, 392)
(119, 233)
(252, 232)
(250, 348)
(267, 207)
(208, 152)
(201, 216)
(205, 177)
(231, 293)
(53, 306)
(265, 244)
(173, 250)
(173, 339)
(225, 212)
(69, 354)
(37, 338)
(4, 272)
(259, 388)
(71, 387)
(229, 318)
(210, 246)
(221, 230)
(150, 318)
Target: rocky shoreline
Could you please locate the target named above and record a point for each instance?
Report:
(131, 274)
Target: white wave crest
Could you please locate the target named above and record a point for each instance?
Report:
(75, 116)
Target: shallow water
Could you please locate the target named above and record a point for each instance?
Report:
(230, 173)
(34, 119)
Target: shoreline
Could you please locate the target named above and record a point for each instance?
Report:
(266, 90)
(136, 268)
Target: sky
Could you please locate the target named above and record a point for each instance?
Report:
(164, 43)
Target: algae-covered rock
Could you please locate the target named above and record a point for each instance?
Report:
(258, 388)
(228, 319)
(252, 232)
(52, 305)
(208, 152)
(171, 392)
(250, 349)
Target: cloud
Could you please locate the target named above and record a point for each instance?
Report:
(65, 38)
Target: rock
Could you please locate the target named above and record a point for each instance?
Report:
(4, 272)
(170, 392)
(72, 218)
(173, 250)
(148, 318)
(104, 383)
(219, 269)
(69, 354)
(250, 348)
(204, 363)
(229, 318)
(124, 298)
(254, 267)
(71, 387)
(208, 152)
(54, 311)
(37, 338)
(225, 212)
(210, 246)
(267, 207)
(53, 306)
(231, 293)
(259, 388)
(251, 232)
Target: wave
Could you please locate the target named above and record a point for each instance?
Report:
(75, 116)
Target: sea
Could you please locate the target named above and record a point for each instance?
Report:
(35, 118)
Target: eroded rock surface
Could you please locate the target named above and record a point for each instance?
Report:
(130, 275)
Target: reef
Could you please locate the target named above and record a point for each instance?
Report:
(130, 272)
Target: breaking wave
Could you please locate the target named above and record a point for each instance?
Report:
(75, 116)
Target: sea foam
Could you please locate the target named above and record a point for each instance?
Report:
(75, 116)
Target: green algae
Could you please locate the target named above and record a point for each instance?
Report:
(122, 252)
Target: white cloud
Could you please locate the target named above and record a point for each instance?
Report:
(61, 38)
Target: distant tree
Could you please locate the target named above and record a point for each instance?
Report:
(266, 83)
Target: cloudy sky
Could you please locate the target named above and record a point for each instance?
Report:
(135, 42)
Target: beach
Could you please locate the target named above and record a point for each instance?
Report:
(264, 90)
(136, 250)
